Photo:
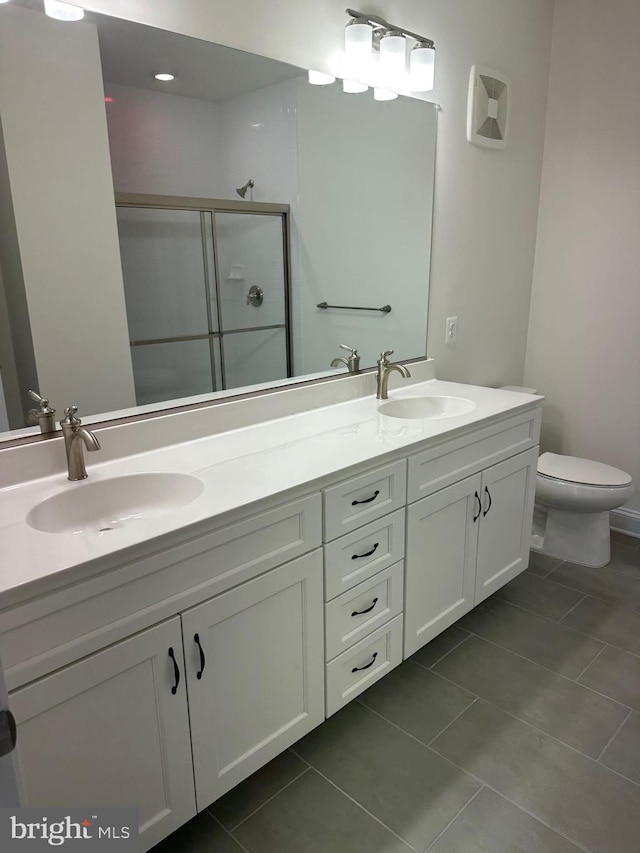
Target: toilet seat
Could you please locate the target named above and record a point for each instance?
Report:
(582, 472)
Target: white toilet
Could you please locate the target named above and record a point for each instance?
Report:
(573, 499)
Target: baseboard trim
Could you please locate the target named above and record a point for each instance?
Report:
(625, 521)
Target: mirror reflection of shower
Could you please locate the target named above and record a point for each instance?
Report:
(242, 191)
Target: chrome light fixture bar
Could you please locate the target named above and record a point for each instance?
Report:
(363, 34)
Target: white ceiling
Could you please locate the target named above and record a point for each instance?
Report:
(133, 53)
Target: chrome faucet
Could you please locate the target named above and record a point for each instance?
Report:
(383, 371)
(74, 436)
(44, 415)
(352, 363)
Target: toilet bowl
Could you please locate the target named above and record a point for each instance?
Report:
(573, 499)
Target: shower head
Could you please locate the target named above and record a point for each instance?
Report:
(242, 191)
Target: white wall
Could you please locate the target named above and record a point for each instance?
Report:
(486, 201)
(164, 144)
(57, 157)
(364, 223)
(583, 348)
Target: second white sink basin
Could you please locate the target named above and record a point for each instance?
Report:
(101, 506)
(426, 408)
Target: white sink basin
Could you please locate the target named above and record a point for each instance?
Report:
(105, 505)
(426, 408)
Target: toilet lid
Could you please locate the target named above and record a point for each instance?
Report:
(584, 471)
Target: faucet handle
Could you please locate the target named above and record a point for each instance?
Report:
(43, 403)
(70, 417)
(352, 350)
(384, 356)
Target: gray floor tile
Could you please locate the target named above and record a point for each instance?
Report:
(617, 674)
(542, 564)
(490, 824)
(311, 816)
(564, 789)
(608, 584)
(606, 622)
(405, 785)
(200, 835)
(249, 795)
(548, 643)
(440, 646)
(625, 559)
(418, 701)
(623, 753)
(534, 694)
(540, 595)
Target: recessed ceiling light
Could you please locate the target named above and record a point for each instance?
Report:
(63, 11)
(165, 78)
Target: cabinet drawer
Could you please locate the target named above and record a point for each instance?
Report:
(355, 502)
(364, 664)
(357, 556)
(452, 461)
(355, 614)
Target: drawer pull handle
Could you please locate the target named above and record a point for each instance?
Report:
(368, 610)
(196, 639)
(366, 666)
(176, 671)
(488, 493)
(477, 516)
(367, 500)
(368, 554)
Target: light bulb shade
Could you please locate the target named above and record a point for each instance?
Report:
(319, 78)
(63, 11)
(353, 87)
(422, 63)
(358, 39)
(384, 94)
(393, 57)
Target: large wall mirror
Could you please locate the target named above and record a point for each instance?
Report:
(244, 199)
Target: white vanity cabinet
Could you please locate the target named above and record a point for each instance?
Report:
(255, 673)
(110, 731)
(466, 540)
(161, 720)
(364, 580)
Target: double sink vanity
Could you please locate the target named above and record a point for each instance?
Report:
(209, 596)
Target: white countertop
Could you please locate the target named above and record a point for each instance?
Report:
(238, 468)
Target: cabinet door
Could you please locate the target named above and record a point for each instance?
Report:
(505, 527)
(108, 731)
(441, 555)
(262, 678)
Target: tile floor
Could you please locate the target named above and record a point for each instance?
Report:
(515, 731)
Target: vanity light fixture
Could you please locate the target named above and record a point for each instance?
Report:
(319, 78)
(165, 77)
(368, 37)
(63, 11)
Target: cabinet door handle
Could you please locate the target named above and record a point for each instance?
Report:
(368, 554)
(367, 500)
(176, 671)
(196, 640)
(8, 732)
(488, 494)
(477, 516)
(368, 610)
(366, 666)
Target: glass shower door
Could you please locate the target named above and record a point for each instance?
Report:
(253, 297)
(168, 271)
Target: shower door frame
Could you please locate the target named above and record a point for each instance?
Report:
(213, 206)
